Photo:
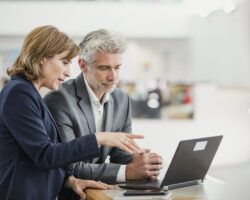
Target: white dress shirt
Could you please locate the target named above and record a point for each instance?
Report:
(98, 110)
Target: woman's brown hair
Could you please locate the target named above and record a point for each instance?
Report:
(42, 42)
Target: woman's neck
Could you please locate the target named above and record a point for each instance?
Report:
(37, 84)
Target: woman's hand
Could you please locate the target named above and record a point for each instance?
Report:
(79, 185)
(120, 140)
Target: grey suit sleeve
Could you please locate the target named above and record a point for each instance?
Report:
(119, 156)
(105, 172)
(61, 110)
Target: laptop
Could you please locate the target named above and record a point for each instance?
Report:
(189, 165)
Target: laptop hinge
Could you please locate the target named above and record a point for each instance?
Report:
(183, 184)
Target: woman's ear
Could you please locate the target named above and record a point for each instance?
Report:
(82, 64)
(42, 61)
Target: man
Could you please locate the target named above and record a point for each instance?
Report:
(91, 103)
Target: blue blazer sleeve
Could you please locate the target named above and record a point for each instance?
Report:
(26, 117)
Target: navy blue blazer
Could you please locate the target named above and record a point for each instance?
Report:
(32, 158)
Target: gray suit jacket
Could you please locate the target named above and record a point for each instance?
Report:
(71, 108)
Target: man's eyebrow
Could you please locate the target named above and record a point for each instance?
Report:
(108, 66)
(103, 66)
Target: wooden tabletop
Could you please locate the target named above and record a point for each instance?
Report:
(209, 190)
(93, 194)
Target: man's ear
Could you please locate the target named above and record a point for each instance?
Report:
(82, 64)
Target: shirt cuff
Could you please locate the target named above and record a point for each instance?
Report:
(99, 145)
(121, 177)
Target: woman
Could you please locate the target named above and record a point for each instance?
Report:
(33, 161)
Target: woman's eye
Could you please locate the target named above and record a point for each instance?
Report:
(65, 62)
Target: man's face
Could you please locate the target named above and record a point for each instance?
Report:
(103, 75)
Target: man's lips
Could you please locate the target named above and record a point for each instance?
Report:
(109, 84)
(60, 80)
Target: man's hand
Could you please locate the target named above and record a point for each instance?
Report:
(79, 185)
(144, 165)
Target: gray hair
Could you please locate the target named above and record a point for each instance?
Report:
(99, 41)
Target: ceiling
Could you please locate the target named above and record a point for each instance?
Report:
(139, 1)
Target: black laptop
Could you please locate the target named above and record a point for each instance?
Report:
(189, 165)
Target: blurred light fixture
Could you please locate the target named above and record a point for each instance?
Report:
(153, 103)
(153, 95)
(153, 100)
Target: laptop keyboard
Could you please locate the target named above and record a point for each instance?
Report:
(143, 185)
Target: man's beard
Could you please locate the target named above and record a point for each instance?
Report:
(109, 90)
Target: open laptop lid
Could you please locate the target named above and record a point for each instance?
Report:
(191, 161)
(189, 165)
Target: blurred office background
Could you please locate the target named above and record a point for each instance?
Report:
(187, 67)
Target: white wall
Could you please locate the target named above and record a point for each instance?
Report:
(78, 18)
(220, 46)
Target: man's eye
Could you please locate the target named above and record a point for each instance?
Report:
(103, 68)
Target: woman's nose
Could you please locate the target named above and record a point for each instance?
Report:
(67, 72)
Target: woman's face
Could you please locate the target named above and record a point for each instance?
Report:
(54, 71)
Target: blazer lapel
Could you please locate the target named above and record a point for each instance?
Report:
(84, 102)
(58, 132)
(51, 117)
